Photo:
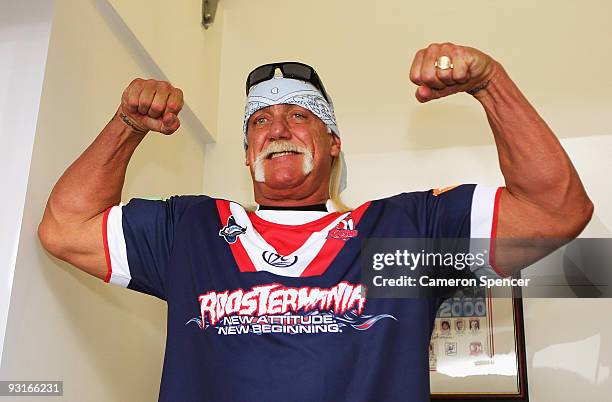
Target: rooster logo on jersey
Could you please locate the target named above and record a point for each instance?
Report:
(231, 231)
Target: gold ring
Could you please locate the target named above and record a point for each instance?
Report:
(444, 63)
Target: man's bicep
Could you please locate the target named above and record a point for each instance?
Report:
(127, 245)
(525, 233)
(82, 245)
(519, 219)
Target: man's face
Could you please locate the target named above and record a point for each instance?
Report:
(289, 147)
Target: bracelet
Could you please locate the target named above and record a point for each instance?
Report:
(480, 87)
(130, 123)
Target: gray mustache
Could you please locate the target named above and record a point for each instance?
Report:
(282, 146)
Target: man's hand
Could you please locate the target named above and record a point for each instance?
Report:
(471, 70)
(151, 105)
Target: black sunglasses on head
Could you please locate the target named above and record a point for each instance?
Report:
(289, 69)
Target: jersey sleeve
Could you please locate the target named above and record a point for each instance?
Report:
(467, 211)
(138, 240)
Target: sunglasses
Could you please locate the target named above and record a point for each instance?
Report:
(289, 69)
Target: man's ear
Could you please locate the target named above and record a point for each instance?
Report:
(336, 145)
(246, 157)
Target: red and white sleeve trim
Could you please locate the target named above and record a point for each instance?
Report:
(118, 270)
(483, 225)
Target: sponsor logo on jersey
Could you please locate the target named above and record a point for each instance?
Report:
(231, 231)
(277, 260)
(275, 308)
(278, 299)
(344, 230)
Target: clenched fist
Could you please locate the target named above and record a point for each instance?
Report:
(471, 70)
(151, 105)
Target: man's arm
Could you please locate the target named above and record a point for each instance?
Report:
(71, 228)
(543, 197)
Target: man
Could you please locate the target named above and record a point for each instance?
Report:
(268, 305)
(459, 326)
(474, 325)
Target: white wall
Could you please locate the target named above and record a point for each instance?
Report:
(189, 55)
(24, 37)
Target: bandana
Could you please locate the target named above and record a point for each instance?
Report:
(280, 90)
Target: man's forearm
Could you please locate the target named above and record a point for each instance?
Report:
(95, 180)
(535, 166)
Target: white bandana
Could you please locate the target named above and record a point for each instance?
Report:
(280, 90)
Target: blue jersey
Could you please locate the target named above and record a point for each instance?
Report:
(269, 305)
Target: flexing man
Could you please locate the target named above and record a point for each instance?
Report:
(268, 305)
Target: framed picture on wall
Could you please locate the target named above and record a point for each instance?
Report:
(477, 348)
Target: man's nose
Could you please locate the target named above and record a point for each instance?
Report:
(279, 129)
